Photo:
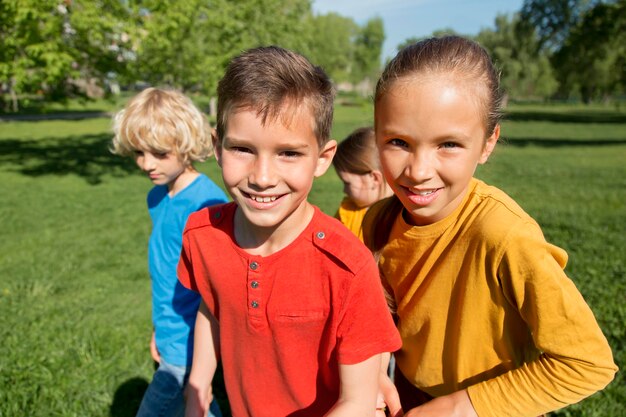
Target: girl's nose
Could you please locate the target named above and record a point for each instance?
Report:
(420, 167)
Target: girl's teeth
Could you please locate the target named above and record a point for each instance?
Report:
(425, 192)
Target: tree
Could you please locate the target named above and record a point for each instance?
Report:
(189, 46)
(526, 70)
(332, 46)
(553, 19)
(50, 47)
(592, 59)
(368, 47)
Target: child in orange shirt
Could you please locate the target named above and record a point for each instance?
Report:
(490, 323)
(358, 165)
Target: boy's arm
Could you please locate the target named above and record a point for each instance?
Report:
(388, 398)
(205, 353)
(358, 389)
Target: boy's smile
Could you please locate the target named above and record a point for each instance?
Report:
(268, 168)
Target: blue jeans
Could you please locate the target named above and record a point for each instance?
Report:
(164, 396)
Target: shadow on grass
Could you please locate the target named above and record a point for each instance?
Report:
(127, 398)
(559, 142)
(87, 156)
(583, 116)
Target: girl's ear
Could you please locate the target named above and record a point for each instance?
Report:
(217, 147)
(325, 158)
(378, 178)
(490, 144)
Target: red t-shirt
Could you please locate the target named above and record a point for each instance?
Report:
(287, 320)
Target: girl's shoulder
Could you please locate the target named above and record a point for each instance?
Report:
(496, 214)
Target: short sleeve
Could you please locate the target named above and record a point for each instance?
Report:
(366, 327)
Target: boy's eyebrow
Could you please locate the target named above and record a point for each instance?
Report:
(286, 144)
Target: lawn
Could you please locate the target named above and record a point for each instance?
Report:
(74, 290)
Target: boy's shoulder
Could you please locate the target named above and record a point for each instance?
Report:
(208, 216)
(336, 241)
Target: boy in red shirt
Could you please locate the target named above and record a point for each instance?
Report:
(292, 301)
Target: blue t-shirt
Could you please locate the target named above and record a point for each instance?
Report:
(174, 307)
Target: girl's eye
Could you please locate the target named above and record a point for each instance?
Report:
(398, 142)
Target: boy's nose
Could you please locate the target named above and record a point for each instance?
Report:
(146, 162)
(262, 174)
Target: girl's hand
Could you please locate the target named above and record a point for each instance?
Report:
(457, 404)
(153, 350)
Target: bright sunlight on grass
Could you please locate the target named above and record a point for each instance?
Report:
(74, 286)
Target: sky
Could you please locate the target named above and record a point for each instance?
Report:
(404, 19)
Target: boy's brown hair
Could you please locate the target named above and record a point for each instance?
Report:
(265, 79)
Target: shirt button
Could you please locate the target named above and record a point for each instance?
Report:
(254, 284)
(254, 266)
(321, 235)
(254, 304)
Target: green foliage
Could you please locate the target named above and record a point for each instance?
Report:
(332, 47)
(593, 57)
(526, 70)
(368, 47)
(54, 48)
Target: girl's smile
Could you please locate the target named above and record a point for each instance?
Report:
(431, 138)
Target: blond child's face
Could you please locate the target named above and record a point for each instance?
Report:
(163, 168)
(431, 137)
(363, 190)
(268, 169)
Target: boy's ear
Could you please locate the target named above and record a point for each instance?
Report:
(490, 144)
(217, 146)
(325, 158)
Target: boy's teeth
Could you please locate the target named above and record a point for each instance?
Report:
(425, 192)
(263, 199)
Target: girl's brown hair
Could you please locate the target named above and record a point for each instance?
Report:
(451, 55)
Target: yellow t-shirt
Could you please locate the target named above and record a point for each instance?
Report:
(484, 304)
(351, 216)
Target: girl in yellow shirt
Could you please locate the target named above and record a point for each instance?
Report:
(358, 166)
(491, 325)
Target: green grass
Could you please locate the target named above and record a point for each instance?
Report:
(74, 288)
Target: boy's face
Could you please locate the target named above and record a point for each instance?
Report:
(268, 169)
(162, 168)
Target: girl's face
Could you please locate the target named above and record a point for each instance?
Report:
(363, 190)
(431, 137)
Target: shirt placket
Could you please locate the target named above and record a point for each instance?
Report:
(256, 303)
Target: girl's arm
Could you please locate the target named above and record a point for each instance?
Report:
(457, 404)
(358, 389)
(205, 353)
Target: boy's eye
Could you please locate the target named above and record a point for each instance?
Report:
(239, 149)
(449, 145)
(290, 154)
(137, 152)
(161, 155)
